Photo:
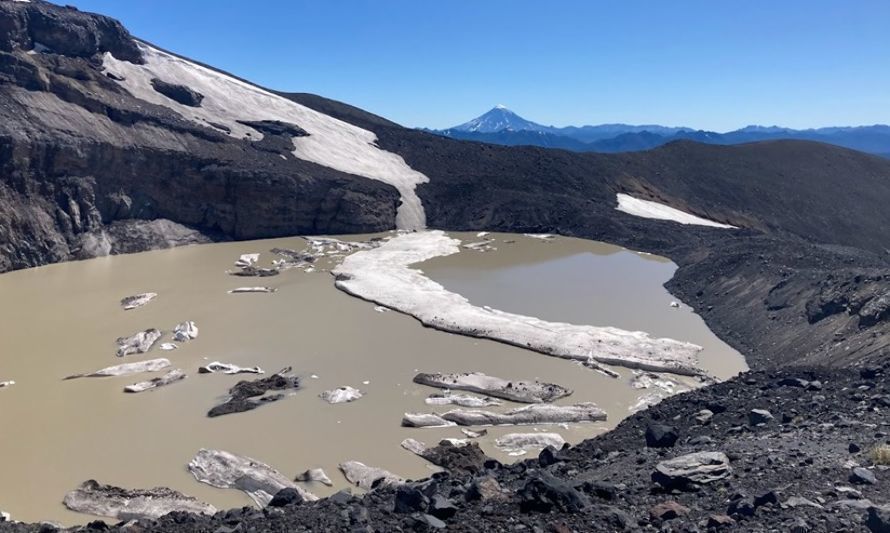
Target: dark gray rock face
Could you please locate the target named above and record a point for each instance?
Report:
(178, 93)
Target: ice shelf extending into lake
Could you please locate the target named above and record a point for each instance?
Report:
(649, 209)
(228, 102)
(384, 275)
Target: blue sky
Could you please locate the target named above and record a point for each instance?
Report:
(706, 64)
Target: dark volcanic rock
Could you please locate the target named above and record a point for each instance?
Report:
(661, 436)
(285, 497)
(543, 493)
(248, 395)
(178, 93)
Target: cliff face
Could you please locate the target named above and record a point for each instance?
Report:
(86, 168)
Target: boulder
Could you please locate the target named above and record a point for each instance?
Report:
(486, 489)
(759, 416)
(704, 416)
(668, 510)
(97, 499)
(126, 369)
(138, 300)
(410, 499)
(878, 520)
(225, 470)
(661, 436)
(341, 395)
(185, 331)
(170, 377)
(285, 497)
(516, 391)
(140, 342)
(368, 477)
(544, 493)
(441, 507)
(692, 469)
(178, 93)
(315, 475)
(862, 476)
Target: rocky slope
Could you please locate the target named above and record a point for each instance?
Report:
(87, 168)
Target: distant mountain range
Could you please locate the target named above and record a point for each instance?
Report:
(502, 126)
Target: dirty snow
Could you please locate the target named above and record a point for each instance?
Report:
(649, 209)
(331, 142)
(383, 276)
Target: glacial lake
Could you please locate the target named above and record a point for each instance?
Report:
(63, 319)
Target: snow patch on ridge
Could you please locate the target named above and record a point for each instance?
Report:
(383, 275)
(331, 142)
(649, 209)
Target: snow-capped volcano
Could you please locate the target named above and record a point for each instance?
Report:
(497, 119)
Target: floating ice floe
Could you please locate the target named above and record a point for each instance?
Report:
(516, 391)
(94, 498)
(140, 342)
(231, 102)
(225, 470)
(481, 246)
(462, 400)
(540, 236)
(225, 368)
(341, 395)
(315, 475)
(531, 414)
(138, 300)
(241, 290)
(247, 260)
(368, 477)
(170, 377)
(4, 384)
(185, 331)
(513, 442)
(649, 209)
(381, 309)
(152, 365)
(168, 346)
(384, 276)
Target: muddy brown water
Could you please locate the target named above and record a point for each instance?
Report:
(62, 319)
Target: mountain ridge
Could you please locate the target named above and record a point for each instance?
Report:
(503, 126)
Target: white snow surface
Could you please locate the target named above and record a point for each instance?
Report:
(331, 142)
(383, 276)
(649, 209)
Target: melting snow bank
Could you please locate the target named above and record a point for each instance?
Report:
(229, 102)
(649, 209)
(383, 275)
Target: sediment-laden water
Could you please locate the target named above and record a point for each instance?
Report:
(63, 319)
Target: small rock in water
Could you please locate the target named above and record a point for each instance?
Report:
(168, 346)
(225, 368)
(185, 331)
(315, 475)
(140, 342)
(138, 300)
(170, 377)
(341, 395)
(242, 290)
